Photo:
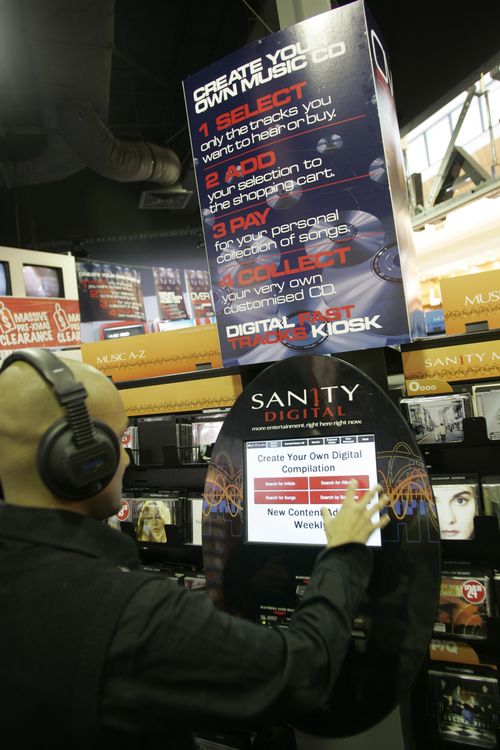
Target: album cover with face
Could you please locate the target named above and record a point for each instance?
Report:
(457, 504)
(465, 702)
(438, 419)
(486, 403)
(465, 601)
(158, 517)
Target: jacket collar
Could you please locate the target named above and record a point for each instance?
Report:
(67, 530)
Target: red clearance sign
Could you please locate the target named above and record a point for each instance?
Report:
(31, 321)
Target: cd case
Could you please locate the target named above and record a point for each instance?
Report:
(204, 435)
(199, 294)
(496, 585)
(154, 517)
(464, 601)
(194, 505)
(438, 419)
(486, 403)
(457, 504)
(465, 701)
(490, 489)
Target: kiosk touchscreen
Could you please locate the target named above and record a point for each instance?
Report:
(289, 481)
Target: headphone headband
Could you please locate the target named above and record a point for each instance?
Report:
(52, 370)
(77, 456)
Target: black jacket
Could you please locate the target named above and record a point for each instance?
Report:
(140, 661)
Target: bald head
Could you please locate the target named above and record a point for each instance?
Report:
(28, 407)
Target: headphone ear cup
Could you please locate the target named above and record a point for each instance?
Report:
(73, 473)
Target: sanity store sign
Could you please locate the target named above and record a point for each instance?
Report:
(299, 172)
(470, 301)
(478, 360)
(27, 322)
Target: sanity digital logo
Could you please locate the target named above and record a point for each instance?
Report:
(309, 403)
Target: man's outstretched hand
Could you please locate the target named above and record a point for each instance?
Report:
(353, 522)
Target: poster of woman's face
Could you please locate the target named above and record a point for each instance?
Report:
(456, 507)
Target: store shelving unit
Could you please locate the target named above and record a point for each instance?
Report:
(475, 454)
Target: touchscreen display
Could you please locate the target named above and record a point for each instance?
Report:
(287, 482)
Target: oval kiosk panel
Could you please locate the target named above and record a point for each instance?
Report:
(289, 446)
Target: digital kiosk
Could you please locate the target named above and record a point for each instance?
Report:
(288, 447)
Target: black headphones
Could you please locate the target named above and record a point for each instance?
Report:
(77, 456)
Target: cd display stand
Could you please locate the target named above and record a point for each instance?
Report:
(457, 690)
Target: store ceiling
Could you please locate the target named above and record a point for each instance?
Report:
(433, 47)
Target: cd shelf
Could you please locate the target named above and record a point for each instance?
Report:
(475, 453)
(452, 721)
(169, 453)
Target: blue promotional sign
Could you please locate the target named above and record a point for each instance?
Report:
(302, 193)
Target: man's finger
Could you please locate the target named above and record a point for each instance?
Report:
(350, 492)
(382, 503)
(370, 494)
(384, 520)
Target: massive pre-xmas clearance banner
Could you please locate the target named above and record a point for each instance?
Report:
(297, 152)
(31, 322)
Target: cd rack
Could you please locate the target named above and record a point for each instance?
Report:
(478, 454)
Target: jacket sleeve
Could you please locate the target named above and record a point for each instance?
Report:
(176, 660)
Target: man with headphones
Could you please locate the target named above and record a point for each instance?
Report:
(95, 653)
